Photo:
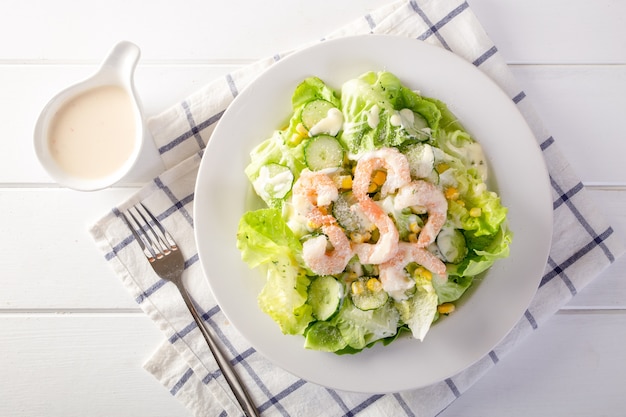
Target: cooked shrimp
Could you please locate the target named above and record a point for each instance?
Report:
(390, 159)
(395, 279)
(323, 261)
(387, 243)
(422, 195)
(398, 175)
(311, 192)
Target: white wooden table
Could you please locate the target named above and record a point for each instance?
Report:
(72, 341)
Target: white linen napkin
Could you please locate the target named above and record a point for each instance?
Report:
(583, 243)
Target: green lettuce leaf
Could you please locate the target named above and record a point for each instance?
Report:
(419, 311)
(370, 103)
(310, 89)
(275, 150)
(451, 289)
(484, 251)
(264, 239)
(361, 328)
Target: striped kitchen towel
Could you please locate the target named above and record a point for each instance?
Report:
(583, 243)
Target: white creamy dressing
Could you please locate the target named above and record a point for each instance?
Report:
(373, 116)
(92, 135)
(278, 184)
(474, 155)
(397, 284)
(295, 221)
(404, 118)
(331, 124)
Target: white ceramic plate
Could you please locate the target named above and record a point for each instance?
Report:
(492, 307)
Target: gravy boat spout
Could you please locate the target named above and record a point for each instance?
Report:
(89, 136)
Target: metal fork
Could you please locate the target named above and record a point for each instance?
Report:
(168, 263)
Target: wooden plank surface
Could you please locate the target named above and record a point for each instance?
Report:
(76, 365)
(72, 339)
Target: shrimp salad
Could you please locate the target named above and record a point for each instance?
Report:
(377, 215)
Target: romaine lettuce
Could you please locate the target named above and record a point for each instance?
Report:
(419, 311)
(371, 105)
(361, 328)
(311, 89)
(264, 239)
(275, 150)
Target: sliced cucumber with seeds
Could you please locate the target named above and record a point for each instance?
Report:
(325, 295)
(347, 217)
(367, 293)
(274, 181)
(322, 152)
(314, 111)
(452, 245)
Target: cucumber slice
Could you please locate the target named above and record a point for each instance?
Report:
(274, 181)
(346, 216)
(314, 111)
(322, 152)
(324, 336)
(325, 295)
(452, 245)
(421, 160)
(368, 294)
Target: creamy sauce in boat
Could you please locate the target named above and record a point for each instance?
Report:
(93, 134)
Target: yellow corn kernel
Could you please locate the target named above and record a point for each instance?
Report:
(451, 193)
(302, 130)
(445, 308)
(372, 187)
(312, 225)
(414, 227)
(357, 237)
(475, 212)
(374, 285)
(442, 167)
(296, 139)
(379, 177)
(358, 287)
(345, 182)
(423, 272)
(413, 237)
(460, 203)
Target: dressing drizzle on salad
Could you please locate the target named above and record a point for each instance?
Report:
(378, 216)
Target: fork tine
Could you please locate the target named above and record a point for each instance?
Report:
(155, 240)
(140, 235)
(164, 236)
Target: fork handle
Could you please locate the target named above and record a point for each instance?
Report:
(229, 374)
